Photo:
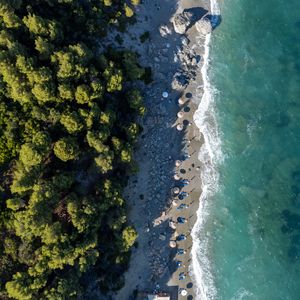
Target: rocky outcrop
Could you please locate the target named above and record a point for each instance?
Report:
(180, 81)
(204, 26)
(182, 21)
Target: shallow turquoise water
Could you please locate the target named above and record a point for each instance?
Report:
(254, 221)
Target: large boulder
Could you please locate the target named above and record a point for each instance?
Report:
(182, 21)
(204, 26)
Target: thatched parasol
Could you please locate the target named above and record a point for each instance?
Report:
(172, 244)
(183, 292)
(177, 163)
(181, 101)
(180, 114)
(176, 190)
(179, 127)
(176, 177)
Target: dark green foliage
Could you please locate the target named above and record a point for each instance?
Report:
(119, 39)
(147, 77)
(67, 129)
(145, 36)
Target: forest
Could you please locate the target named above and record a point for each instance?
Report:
(68, 125)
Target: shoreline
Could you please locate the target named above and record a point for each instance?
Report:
(153, 262)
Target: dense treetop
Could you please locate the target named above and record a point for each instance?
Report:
(67, 129)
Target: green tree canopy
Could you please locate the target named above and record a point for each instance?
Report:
(129, 236)
(72, 122)
(66, 149)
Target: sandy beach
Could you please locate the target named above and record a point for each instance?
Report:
(169, 135)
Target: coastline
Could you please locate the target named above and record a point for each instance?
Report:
(149, 197)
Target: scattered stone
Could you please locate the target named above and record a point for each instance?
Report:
(162, 237)
(164, 59)
(165, 30)
(172, 225)
(181, 22)
(204, 26)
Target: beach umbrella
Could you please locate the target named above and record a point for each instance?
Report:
(165, 94)
(180, 114)
(176, 190)
(181, 101)
(176, 177)
(172, 244)
(183, 292)
(175, 203)
(179, 127)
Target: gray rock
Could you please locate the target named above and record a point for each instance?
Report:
(185, 41)
(181, 22)
(204, 26)
(194, 61)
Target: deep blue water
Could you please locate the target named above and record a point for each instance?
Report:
(254, 222)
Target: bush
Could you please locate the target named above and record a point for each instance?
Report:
(145, 36)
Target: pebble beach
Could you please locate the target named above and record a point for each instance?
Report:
(167, 150)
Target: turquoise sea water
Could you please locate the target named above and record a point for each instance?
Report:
(254, 218)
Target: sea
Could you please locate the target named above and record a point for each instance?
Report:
(246, 242)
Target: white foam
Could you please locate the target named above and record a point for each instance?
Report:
(209, 155)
